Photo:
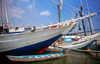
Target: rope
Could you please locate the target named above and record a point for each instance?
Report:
(89, 31)
(66, 12)
(71, 6)
(54, 2)
(97, 17)
(87, 7)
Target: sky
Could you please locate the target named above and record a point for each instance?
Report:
(41, 12)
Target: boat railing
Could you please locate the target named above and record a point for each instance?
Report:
(66, 23)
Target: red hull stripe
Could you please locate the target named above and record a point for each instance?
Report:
(42, 50)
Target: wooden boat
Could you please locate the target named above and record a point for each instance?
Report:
(17, 41)
(32, 58)
(35, 41)
(80, 44)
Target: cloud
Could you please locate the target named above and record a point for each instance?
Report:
(30, 6)
(45, 13)
(16, 12)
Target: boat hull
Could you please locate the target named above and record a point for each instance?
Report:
(30, 43)
(84, 43)
(32, 58)
(37, 48)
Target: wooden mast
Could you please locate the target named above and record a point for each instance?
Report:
(60, 11)
(60, 16)
(1, 12)
(6, 16)
(91, 25)
(81, 14)
(90, 21)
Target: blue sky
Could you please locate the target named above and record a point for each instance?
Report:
(37, 12)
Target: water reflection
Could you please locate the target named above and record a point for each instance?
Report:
(82, 58)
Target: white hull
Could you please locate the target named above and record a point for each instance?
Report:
(82, 43)
(32, 58)
(13, 41)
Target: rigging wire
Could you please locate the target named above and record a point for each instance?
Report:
(97, 17)
(74, 8)
(87, 7)
(69, 11)
(54, 2)
(71, 6)
(66, 4)
(87, 31)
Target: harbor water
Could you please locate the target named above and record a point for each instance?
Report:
(73, 57)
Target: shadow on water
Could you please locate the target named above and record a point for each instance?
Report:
(72, 58)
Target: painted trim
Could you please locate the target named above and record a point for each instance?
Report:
(16, 32)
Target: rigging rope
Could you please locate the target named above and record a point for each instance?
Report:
(87, 7)
(71, 13)
(87, 31)
(97, 17)
(55, 2)
(71, 6)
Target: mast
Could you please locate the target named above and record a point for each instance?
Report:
(1, 13)
(60, 11)
(60, 19)
(5, 10)
(81, 14)
(90, 21)
(91, 25)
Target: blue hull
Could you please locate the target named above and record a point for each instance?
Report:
(37, 48)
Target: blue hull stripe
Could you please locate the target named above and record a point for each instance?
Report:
(32, 49)
(16, 32)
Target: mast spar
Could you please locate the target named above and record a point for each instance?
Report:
(60, 5)
(5, 10)
(60, 11)
(81, 15)
(90, 21)
(1, 13)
